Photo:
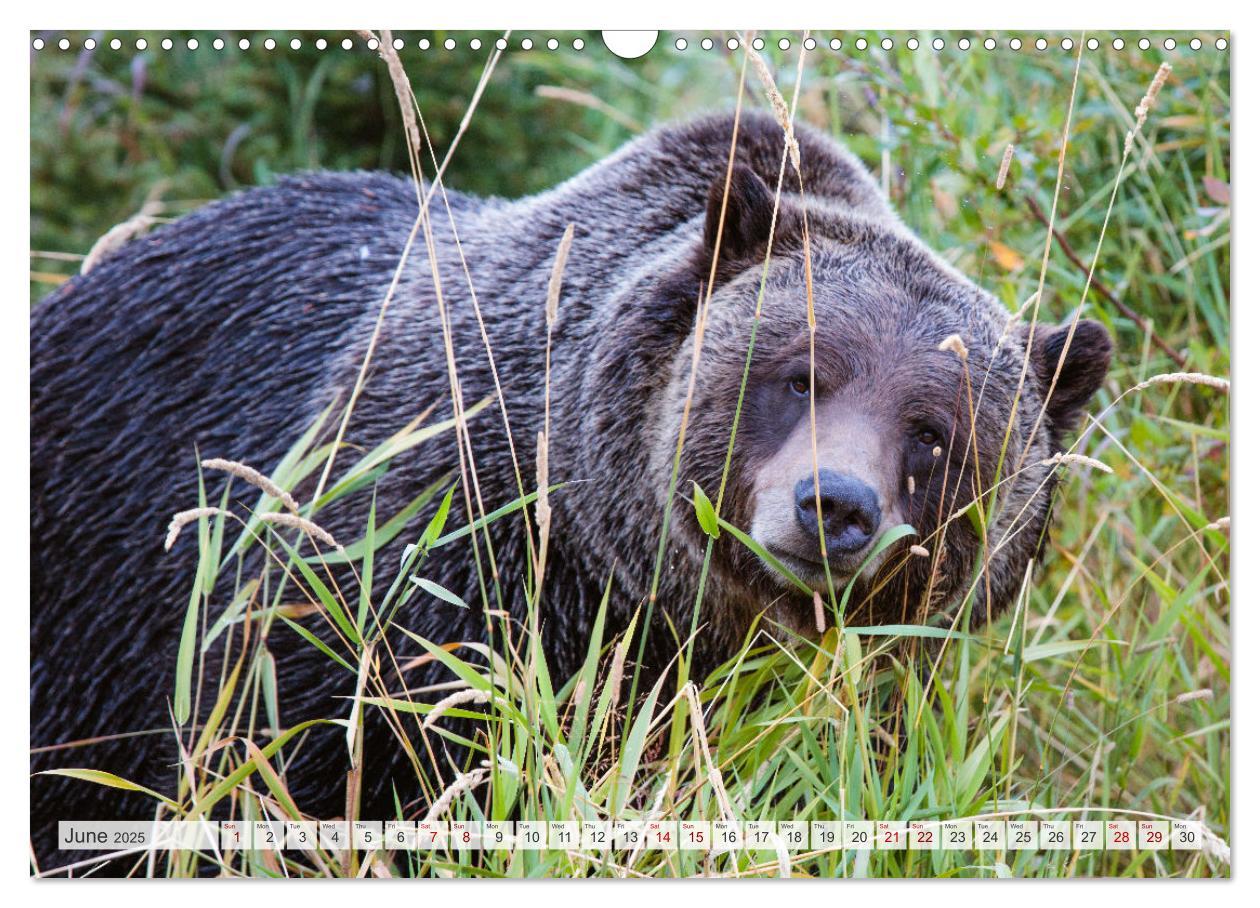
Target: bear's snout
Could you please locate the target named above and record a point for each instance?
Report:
(847, 508)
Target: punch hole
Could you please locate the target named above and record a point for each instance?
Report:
(630, 45)
(990, 44)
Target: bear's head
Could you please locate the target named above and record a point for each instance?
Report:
(915, 398)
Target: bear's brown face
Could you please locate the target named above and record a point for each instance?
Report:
(915, 400)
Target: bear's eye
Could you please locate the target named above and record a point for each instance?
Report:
(799, 385)
(927, 437)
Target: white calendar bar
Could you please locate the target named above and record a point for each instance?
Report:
(721, 836)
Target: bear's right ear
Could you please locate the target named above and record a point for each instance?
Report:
(741, 234)
(1074, 360)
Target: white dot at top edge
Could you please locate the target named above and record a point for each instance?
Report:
(1067, 44)
(1195, 43)
(912, 43)
(578, 44)
(398, 43)
(810, 43)
(475, 43)
(552, 44)
(1143, 44)
(759, 44)
(193, 43)
(321, 44)
(707, 44)
(373, 44)
(218, 44)
(90, 44)
(1118, 44)
(501, 44)
(784, 44)
(423, 44)
(989, 44)
(732, 43)
(1221, 44)
(835, 44)
(527, 44)
(1042, 44)
(964, 43)
(141, 44)
(64, 43)
(115, 44)
(38, 44)
(860, 44)
(449, 43)
(680, 44)
(167, 44)
(346, 44)
(938, 44)
(295, 44)
(1016, 44)
(1092, 44)
(1170, 44)
(886, 44)
(270, 44)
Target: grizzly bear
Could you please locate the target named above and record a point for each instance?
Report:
(228, 332)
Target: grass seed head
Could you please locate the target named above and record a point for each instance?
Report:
(182, 519)
(254, 478)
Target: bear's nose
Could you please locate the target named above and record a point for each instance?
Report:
(850, 511)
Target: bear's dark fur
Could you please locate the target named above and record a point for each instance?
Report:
(229, 331)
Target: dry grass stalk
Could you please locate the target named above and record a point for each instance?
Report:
(467, 695)
(1190, 696)
(463, 782)
(312, 529)
(115, 238)
(616, 673)
(1005, 168)
(1079, 459)
(254, 478)
(182, 519)
(780, 107)
(590, 102)
(954, 343)
(557, 275)
(1144, 106)
(402, 86)
(1189, 378)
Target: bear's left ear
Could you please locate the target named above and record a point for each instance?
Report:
(740, 235)
(1085, 354)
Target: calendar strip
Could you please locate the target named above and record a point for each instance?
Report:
(719, 836)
